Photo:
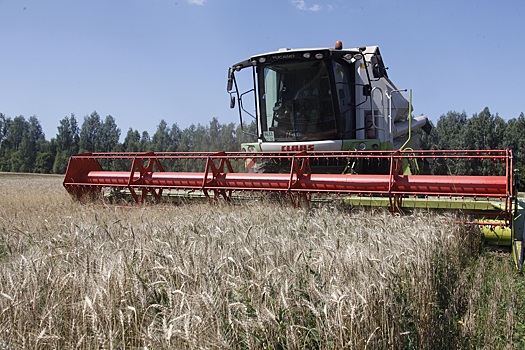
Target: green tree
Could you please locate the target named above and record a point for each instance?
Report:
(132, 141)
(5, 147)
(213, 136)
(228, 138)
(67, 143)
(484, 132)
(221, 137)
(145, 141)
(25, 139)
(187, 141)
(19, 126)
(174, 137)
(447, 135)
(450, 130)
(45, 158)
(5, 123)
(90, 133)
(201, 139)
(514, 138)
(108, 135)
(161, 138)
(67, 138)
(246, 134)
(60, 163)
(36, 141)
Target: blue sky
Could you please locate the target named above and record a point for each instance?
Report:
(146, 60)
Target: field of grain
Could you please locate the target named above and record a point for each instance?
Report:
(256, 275)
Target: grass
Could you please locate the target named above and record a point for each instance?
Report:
(250, 276)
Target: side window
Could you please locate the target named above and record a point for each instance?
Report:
(378, 67)
(271, 91)
(345, 99)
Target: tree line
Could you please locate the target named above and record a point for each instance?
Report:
(483, 131)
(24, 148)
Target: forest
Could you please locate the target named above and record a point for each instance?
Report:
(24, 148)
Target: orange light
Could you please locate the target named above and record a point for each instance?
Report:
(338, 45)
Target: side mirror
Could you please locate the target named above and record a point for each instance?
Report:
(367, 90)
(232, 101)
(230, 80)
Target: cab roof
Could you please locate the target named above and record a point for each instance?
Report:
(252, 61)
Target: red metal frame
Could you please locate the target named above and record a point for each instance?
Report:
(85, 176)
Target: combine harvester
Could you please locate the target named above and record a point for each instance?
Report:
(329, 123)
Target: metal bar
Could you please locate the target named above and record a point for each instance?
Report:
(85, 175)
(417, 185)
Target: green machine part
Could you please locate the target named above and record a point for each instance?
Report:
(518, 234)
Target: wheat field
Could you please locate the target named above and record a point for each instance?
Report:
(255, 275)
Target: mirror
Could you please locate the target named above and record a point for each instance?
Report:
(367, 90)
(230, 80)
(232, 101)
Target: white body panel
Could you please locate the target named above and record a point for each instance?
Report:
(331, 145)
(402, 128)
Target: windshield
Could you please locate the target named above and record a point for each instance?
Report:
(296, 103)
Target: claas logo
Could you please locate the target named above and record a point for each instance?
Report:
(297, 148)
